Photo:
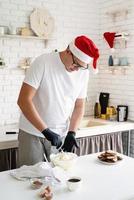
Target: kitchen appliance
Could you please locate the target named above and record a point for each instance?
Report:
(104, 98)
(122, 113)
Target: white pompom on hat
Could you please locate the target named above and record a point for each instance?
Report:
(85, 50)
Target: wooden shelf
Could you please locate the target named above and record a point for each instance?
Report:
(120, 68)
(2, 66)
(24, 37)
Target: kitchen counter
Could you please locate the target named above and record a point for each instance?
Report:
(97, 137)
(11, 140)
(99, 181)
(105, 127)
(8, 141)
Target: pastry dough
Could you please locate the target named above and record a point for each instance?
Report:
(42, 23)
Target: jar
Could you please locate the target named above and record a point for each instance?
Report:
(123, 61)
(116, 61)
(2, 30)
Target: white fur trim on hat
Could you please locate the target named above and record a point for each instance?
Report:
(94, 71)
(79, 54)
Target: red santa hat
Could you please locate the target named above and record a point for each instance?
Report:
(85, 50)
(109, 37)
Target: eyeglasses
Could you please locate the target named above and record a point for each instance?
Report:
(76, 64)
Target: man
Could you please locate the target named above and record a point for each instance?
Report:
(52, 100)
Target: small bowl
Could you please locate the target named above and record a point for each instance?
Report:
(73, 183)
(36, 183)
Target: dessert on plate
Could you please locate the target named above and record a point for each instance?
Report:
(109, 157)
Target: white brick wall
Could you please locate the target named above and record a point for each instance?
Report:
(72, 18)
(120, 87)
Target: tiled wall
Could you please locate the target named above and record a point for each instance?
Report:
(72, 18)
(119, 85)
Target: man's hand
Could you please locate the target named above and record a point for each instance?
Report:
(54, 138)
(69, 142)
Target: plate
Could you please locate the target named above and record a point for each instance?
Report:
(109, 163)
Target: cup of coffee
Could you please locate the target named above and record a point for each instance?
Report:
(73, 183)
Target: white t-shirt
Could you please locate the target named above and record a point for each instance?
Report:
(57, 91)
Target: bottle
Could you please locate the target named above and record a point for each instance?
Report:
(110, 60)
(97, 108)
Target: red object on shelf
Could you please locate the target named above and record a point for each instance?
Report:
(109, 37)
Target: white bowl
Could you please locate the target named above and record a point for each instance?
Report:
(64, 160)
(36, 183)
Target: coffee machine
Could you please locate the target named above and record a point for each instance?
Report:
(104, 100)
(122, 113)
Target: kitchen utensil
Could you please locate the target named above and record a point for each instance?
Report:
(53, 176)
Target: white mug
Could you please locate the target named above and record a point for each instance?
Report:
(13, 30)
(2, 30)
(73, 183)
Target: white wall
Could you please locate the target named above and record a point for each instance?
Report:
(120, 87)
(72, 17)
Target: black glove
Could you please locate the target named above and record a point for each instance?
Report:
(54, 138)
(69, 142)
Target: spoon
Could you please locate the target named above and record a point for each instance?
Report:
(51, 169)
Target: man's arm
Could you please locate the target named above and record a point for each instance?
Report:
(25, 102)
(77, 114)
(76, 117)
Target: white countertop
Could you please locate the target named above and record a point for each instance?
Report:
(9, 127)
(108, 127)
(99, 182)
(11, 141)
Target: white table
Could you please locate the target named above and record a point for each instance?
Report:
(100, 182)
